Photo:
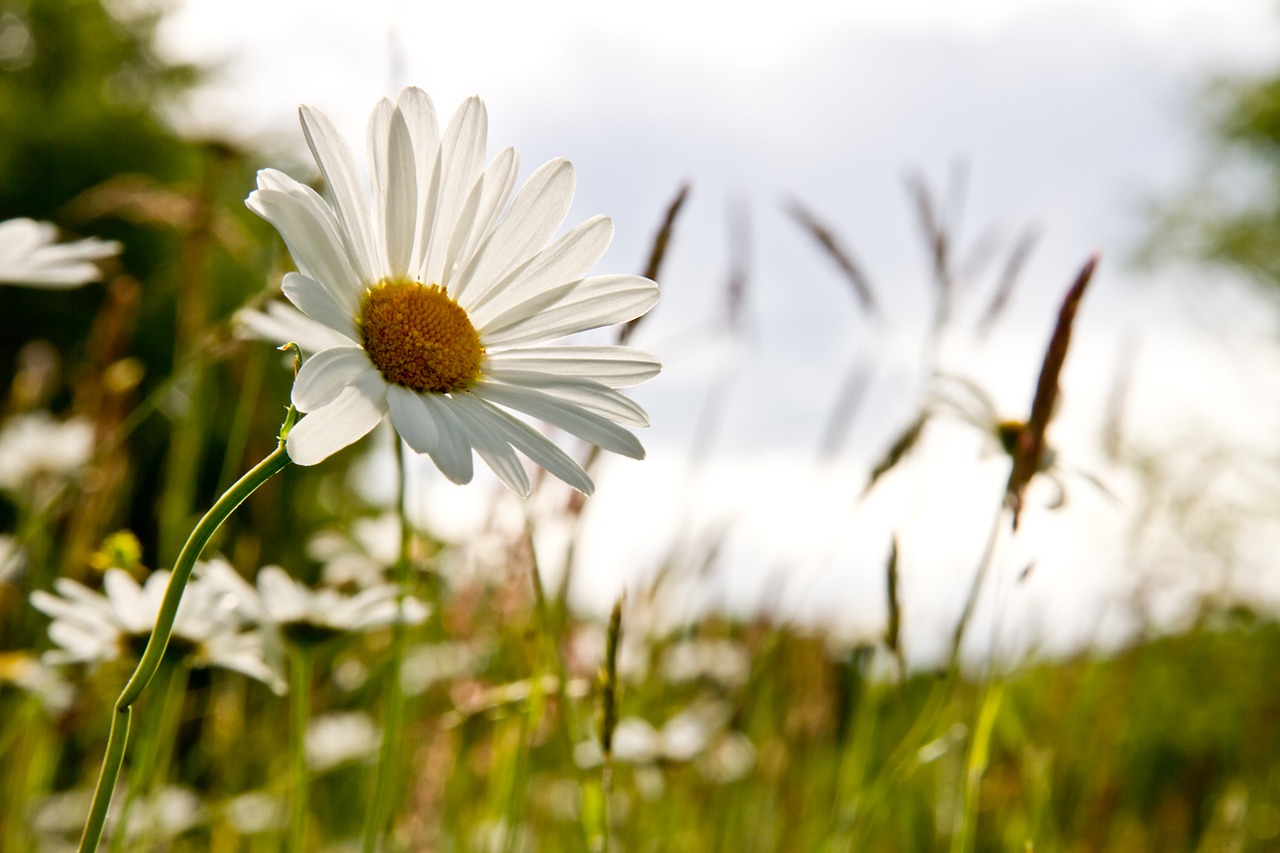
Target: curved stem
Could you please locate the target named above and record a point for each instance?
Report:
(168, 691)
(151, 657)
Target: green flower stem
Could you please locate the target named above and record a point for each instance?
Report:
(168, 691)
(380, 812)
(299, 710)
(151, 657)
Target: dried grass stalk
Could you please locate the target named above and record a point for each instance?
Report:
(1030, 443)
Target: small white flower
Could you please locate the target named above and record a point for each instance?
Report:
(445, 295)
(31, 255)
(306, 615)
(337, 739)
(730, 758)
(165, 814)
(635, 740)
(361, 556)
(35, 445)
(91, 627)
(721, 661)
(159, 816)
(255, 812)
(428, 665)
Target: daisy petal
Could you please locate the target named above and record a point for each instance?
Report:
(412, 419)
(588, 304)
(533, 444)
(350, 417)
(127, 599)
(452, 453)
(566, 260)
(324, 376)
(584, 393)
(572, 419)
(280, 322)
(420, 115)
(74, 612)
(536, 213)
(377, 143)
(310, 231)
(492, 447)
(616, 367)
(342, 179)
(457, 167)
(401, 197)
(490, 196)
(317, 303)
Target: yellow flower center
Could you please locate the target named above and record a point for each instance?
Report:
(420, 338)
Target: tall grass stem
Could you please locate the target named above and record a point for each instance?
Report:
(381, 811)
(299, 711)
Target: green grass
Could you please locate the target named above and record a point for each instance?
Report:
(1168, 745)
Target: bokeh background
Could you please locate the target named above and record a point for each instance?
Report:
(1062, 128)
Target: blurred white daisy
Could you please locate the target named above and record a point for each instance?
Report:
(359, 555)
(445, 296)
(722, 661)
(37, 445)
(339, 738)
(89, 627)
(682, 738)
(305, 615)
(255, 812)
(30, 254)
(165, 814)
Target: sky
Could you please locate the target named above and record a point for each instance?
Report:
(1067, 117)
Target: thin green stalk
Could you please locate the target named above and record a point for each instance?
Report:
(170, 690)
(979, 579)
(520, 770)
(609, 720)
(550, 625)
(118, 738)
(975, 766)
(380, 813)
(299, 710)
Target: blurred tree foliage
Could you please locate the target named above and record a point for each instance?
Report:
(1230, 214)
(148, 354)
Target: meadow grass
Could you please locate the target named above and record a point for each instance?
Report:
(797, 745)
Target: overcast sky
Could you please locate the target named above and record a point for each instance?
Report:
(1070, 116)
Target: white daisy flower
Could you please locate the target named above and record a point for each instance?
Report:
(30, 254)
(359, 555)
(341, 738)
(446, 295)
(722, 661)
(304, 615)
(36, 444)
(90, 627)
